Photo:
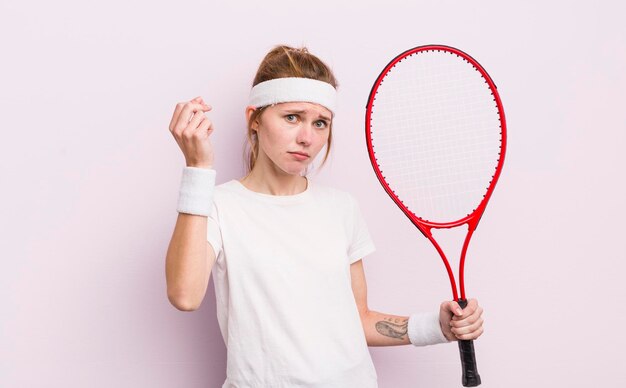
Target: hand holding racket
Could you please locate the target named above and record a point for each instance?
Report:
(436, 137)
(461, 324)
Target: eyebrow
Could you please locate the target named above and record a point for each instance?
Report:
(304, 111)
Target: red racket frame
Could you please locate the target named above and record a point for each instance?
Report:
(423, 225)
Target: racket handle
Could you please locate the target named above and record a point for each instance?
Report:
(471, 378)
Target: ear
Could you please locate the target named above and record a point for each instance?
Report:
(249, 110)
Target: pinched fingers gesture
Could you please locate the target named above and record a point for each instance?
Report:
(191, 129)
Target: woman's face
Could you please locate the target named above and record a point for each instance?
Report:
(287, 130)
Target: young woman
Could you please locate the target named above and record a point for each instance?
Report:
(285, 253)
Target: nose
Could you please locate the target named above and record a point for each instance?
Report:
(305, 134)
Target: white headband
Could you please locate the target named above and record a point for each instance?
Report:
(292, 89)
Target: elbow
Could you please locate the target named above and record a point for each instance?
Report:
(364, 315)
(181, 303)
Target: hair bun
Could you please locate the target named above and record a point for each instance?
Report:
(302, 50)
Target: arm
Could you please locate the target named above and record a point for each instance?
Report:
(380, 329)
(189, 262)
(387, 329)
(190, 257)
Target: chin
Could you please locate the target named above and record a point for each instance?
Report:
(295, 170)
(294, 167)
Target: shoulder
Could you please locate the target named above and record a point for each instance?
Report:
(225, 187)
(341, 198)
(224, 194)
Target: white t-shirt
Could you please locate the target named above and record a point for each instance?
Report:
(285, 305)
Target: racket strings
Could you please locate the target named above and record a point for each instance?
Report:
(435, 133)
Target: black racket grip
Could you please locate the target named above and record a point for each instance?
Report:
(471, 378)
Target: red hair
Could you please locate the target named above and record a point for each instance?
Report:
(281, 62)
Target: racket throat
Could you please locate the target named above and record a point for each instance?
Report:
(470, 231)
(445, 262)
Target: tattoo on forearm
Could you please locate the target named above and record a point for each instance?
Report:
(394, 328)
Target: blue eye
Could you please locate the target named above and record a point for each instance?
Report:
(287, 117)
(325, 124)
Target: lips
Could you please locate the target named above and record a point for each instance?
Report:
(300, 153)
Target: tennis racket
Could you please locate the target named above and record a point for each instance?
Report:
(436, 137)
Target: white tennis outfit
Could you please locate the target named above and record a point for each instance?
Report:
(285, 305)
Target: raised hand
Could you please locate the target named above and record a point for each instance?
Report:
(191, 129)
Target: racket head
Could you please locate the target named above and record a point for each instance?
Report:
(435, 108)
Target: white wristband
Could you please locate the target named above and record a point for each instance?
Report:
(424, 329)
(196, 191)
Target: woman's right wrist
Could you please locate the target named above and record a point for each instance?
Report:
(196, 190)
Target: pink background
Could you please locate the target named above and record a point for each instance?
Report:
(90, 178)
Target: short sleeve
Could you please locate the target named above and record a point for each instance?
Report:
(360, 241)
(214, 234)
